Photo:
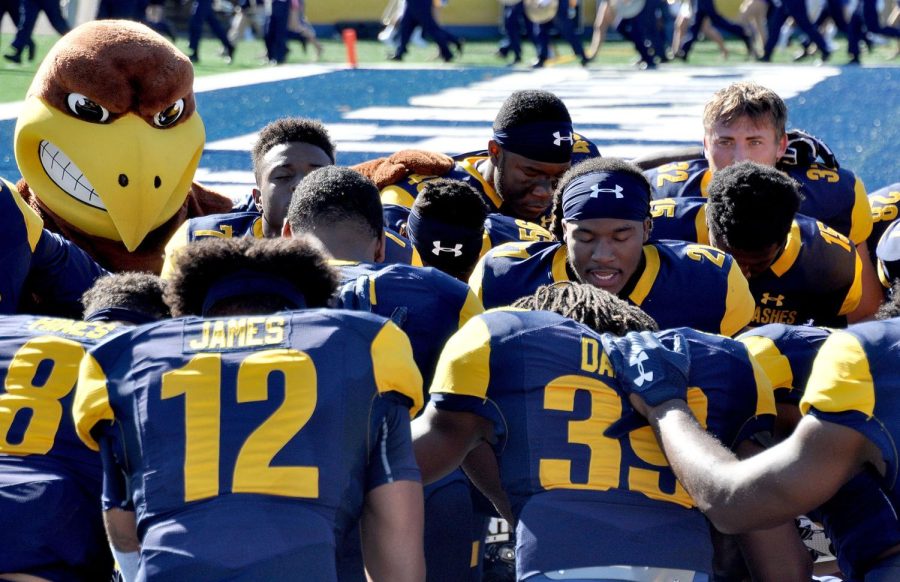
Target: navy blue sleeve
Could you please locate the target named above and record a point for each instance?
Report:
(60, 273)
(391, 455)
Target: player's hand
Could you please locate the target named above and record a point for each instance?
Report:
(805, 149)
(647, 368)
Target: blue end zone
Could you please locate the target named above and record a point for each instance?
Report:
(855, 112)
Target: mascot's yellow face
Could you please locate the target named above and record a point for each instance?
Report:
(109, 138)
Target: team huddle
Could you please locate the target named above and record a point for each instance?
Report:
(681, 354)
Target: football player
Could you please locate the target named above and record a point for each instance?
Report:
(532, 146)
(246, 436)
(848, 429)
(799, 270)
(545, 444)
(745, 121)
(601, 217)
(51, 482)
(450, 227)
(285, 151)
(43, 272)
(885, 203)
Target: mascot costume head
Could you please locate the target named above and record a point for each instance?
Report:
(109, 140)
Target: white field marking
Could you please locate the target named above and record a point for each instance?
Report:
(630, 112)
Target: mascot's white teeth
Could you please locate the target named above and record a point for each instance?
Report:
(67, 176)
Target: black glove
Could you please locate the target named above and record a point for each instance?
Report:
(646, 367)
(805, 149)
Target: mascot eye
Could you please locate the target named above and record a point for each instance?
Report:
(169, 115)
(86, 109)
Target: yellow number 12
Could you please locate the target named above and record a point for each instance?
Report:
(200, 383)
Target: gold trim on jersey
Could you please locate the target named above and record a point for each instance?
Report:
(648, 277)
(258, 228)
(470, 308)
(468, 164)
(840, 380)
(861, 222)
(854, 294)
(393, 366)
(704, 183)
(397, 196)
(465, 364)
(775, 364)
(558, 266)
(91, 403)
(701, 226)
(739, 302)
(790, 253)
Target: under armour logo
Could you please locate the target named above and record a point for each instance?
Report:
(779, 300)
(438, 249)
(558, 139)
(596, 189)
(638, 361)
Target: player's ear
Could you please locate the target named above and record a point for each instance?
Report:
(494, 152)
(380, 249)
(648, 228)
(257, 198)
(782, 146)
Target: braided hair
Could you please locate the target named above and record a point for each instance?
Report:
(598, 309)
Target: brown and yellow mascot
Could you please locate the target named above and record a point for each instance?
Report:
(108, 143)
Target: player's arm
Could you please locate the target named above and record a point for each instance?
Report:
(392, 530)
(61, 272)
(765, 490)
(482, 469)
(442, 439)
(775, 554)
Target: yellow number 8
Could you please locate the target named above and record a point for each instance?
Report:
(55, 359)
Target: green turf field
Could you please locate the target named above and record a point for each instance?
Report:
(14, 79)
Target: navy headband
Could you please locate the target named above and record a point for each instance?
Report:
(606, 195)
(121, 314)
(543, 141)
(248, 282)
(449, 247)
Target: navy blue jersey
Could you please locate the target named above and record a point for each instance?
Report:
(836, 197)
(427, 304)
(397, 249)
(885, 203)
(243, 438)
(50, 480)
(888, 255)
(500, 229)
(861, 518)
(56, 270)
(548, 388)
(854, 383)
(786, 353)
(679, 284)
(817, 278)
(403, 193)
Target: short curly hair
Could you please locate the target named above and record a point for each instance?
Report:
(746, 99)
(204, 262)
(288, 130)
(590, 166)
(598, 309)
(453, 202)
(530, 106)
(138, 292)
(751, 206)
(334, 194)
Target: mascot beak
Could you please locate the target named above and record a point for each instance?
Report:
(128, 176)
